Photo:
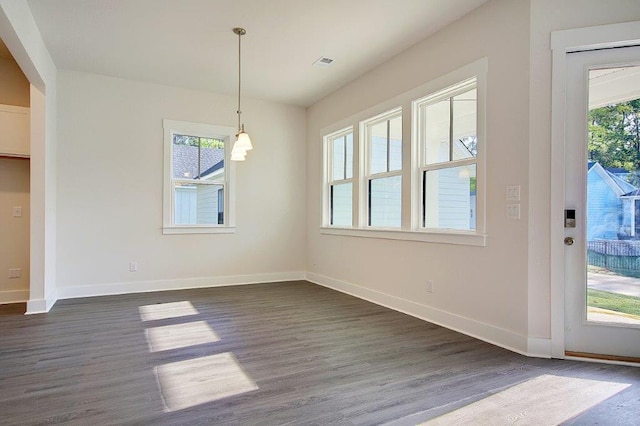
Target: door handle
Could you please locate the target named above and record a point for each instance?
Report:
(568, 241)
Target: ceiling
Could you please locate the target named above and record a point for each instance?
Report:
(190, 43)
(609, 86)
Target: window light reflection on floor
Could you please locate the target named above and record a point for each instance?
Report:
(188, 383)
(166, 310)
(543, 400)
(176, 336)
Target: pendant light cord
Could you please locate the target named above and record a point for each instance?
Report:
(240, 32)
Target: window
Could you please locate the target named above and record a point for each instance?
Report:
(197, 179)
(339, 147)
(448, 156)
(417, 176)
(383, 136)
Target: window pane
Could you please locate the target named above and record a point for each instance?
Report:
(349, 159)
(198, 158)
(385, 201)
(436, 132)
(378, 146)
(395, 144)
(197, 204)
(341, 204)
(464, 125)
(449, 198)
(338, 147)
(185, 156)
(211, 159)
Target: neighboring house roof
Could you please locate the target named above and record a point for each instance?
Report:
(185, 161)
(461, 149)
(624, 184)
(219, 165)
(617, 184)
(617, 170)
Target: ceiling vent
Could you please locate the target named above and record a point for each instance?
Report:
(323, 62)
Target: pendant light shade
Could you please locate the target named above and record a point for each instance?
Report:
(238, 154)
(243, 143)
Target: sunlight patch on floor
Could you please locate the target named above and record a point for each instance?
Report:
(176, 336)
(185, 384)
(166, 310)
(544, 400)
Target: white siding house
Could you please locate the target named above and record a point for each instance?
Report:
(454, 207)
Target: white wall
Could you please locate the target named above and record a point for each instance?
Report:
(110, 190)
(479, 290)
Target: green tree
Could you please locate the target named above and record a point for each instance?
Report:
(195, 141)
(473, 184)
(614, 137)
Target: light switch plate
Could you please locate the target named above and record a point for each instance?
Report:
(17, 211)
(513, 211)
(513, 193)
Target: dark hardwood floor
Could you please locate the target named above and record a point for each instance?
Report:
(12, 309)
(283, 353)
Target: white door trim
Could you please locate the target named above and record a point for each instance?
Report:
(563, 42)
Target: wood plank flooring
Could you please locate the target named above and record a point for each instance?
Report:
(11, 309)
(268, 354)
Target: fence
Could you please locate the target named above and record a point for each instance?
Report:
(619, 256)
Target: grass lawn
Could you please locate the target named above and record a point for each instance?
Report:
(614, 302)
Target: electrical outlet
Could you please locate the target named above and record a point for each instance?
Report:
(15, 273)
(429, 286)
(17, 211)
(133, 266)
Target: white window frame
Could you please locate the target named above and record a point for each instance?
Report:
(411, 176)
(368, 176)
(328, 175)
(173, 127)
(422, 165)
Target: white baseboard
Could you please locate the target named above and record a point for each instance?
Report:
(14, 296)
(36, 306)
(530, 346)
(539, 347)
(488, 333)
(177, 284)
(40, 306)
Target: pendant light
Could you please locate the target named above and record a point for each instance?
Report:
(243, 143)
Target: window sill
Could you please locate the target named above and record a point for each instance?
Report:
(170, 230)
(444, 237)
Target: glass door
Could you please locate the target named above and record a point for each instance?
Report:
(602, 184)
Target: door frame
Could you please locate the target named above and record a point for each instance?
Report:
(562, 43)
